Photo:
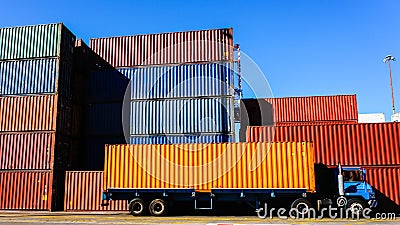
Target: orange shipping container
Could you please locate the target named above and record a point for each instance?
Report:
(348, 144)
(83, 192)
(386, 180)
(315, 108)
(208, 166)
(28, 113)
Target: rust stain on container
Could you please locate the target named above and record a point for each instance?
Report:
(387, 181)
(26, 190)
(83, 192)
(166, 48)
(28, 113)
(207, 166)
(315, 108)
(27, 151)
(348, 144)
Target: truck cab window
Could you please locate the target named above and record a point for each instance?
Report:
(352, 175)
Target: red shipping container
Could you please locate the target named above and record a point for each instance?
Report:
(315, 108)
(166, 48)
(348, 144)
(27, 151)
(387, 182)
(83, 192)
(26, 190)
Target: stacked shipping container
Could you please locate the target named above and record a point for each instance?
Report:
(36, 64)
(181, 84)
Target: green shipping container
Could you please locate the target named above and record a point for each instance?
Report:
(37, 41)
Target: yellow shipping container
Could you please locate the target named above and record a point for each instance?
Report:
(210, 166)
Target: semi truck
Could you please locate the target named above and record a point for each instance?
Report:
(155, 178)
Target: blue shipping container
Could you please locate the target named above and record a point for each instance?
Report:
(213, 79)
(181, 139)
(35, 76)
(182, 116)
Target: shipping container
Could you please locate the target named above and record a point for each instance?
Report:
(347, 144)
(83, 192)
(181, 139)
(213, 79)
(371, 118)
(104, 119)
(92, 151)
(386, 180)
(28, 113)
(26, 190)
(37, 41)
(107, 86)
(182, 116)
(166, 48)
(27, 151)
(314, 108)
(207, 166)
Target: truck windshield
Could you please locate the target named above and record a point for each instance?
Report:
(352, 175)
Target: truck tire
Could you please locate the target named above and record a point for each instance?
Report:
(157, 207)
(356, 206)
(136, 207)
(300, 208)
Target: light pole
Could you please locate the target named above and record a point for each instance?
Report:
(387, 59)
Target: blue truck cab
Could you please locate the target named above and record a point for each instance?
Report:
(356, 186)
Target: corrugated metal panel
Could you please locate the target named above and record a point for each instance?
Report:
(92, 153)
(207, 166)
(28, 113)
(178, 139)
(386, 180)
(106, 85)
(38, 41)
(83, 192)
(26, 190)
(104, 119)
(181, 81)
(28, 76)
(315, 123)
(181, 116)
(27, 151)
(166, 48)
(347, 144)
(315, 108)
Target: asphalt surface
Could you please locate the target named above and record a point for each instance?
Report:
(24, 218)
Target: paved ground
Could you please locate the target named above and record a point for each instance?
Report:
(24, 218)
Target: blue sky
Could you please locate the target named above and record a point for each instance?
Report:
(320, 47)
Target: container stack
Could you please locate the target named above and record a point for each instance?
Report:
(36, 125)
(181, 84)
(101, 106)
(374, 146)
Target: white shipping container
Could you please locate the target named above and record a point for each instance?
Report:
(371, 118)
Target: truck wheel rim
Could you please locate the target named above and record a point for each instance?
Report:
(302, 208)
(158, 208)
(137, 207)
(356, 207)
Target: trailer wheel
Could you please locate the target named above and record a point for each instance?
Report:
(356, 206)
(157, 207)
(300, 208)
(136, 207)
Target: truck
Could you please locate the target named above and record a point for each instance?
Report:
(155, 178)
